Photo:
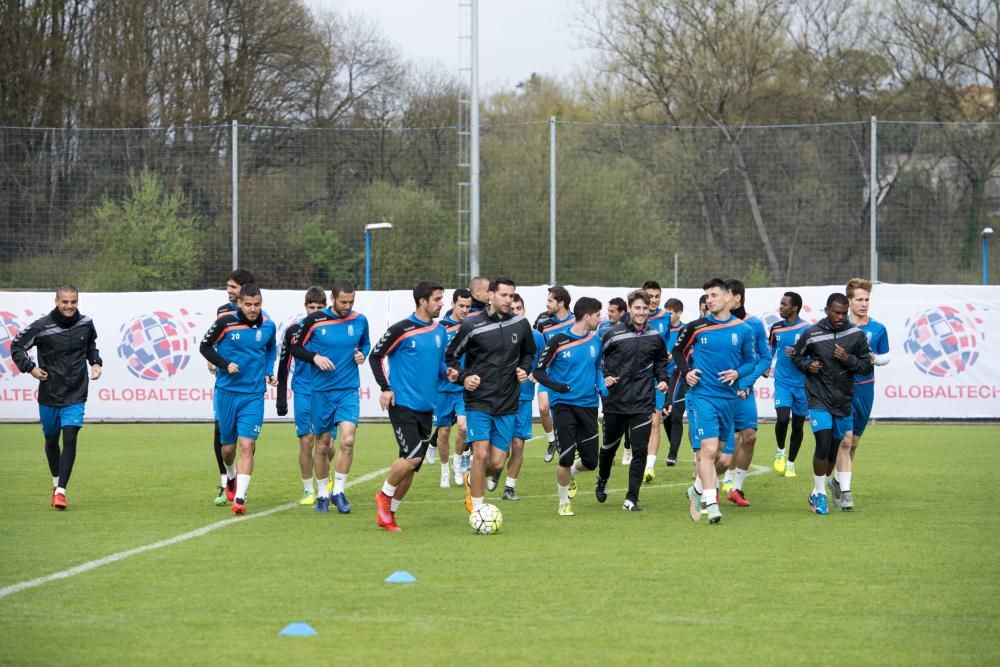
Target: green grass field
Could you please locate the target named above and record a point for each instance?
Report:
(910, 577)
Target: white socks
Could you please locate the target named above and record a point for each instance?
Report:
(550, 436)
(650, 461)
(388, 489)
(321, 485)
(510, 482)
(845, 480)
(738, 477)
(307, 485)
(819, 484)
(563, 493)
(242, 482)
(339, 480)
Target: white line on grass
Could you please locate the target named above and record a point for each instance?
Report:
(122, 555)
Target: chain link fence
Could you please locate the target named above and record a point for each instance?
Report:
(151, 209)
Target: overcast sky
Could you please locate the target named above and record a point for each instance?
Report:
(517, 37)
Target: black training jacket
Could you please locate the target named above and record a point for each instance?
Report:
(495, 346)
(832, 389)
(66, 350)
(638, 358)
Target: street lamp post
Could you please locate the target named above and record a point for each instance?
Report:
(368, 249)
(986, 234)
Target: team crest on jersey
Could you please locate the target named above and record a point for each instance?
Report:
(350, 329)
(736, 339)
(513, 338)
(593, 353)
(437, 340)
(260, 335)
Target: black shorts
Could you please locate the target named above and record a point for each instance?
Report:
(576, 430)
(413, 432)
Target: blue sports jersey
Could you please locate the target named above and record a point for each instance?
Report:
(878, 341)
(409, 360)
(785, 335)
(571, 367)
(551, 326)
(336, 338)
(660, 320)
(528, 388)
(762, 350)
(673, 333)
(603, 327)
(451, 328)
(250, 345)
(713, 346)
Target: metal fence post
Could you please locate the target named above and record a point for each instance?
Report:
(873, 199)
(236, 195)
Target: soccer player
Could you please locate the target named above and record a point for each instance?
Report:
(315, 300)
(450, 409)
(674, 402)
(703, 305)
(616, 308)
(659, 319)
(712, 354)
(335, 341)
(570, 366)
(498, 349)
(556, 319)
(635, 366)
(790, 401)
(414, 349)
(234, 281)
(745, 409)
(242, 347)
(479, 287)
(858, 294)
(66, 343)
(830, 353)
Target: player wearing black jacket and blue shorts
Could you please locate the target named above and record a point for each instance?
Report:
(831, 353)
(498, 348)
(635, 366)
(570, 366)
(241, 346)
(66, 342)
(407, 363)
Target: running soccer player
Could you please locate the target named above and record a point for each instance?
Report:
(712, 354)
(830, 353)
(790, 401)
(234, 281)
(479, 287)
(498, 348)
(522, 423)
(858, 294)
(616, 308)
(66, 343)
(315, 300)
(335, 341)
(659, 319)
(556, 319)
(450, 409)
(635, 366)
(570, 366)
(674, 412)
(242, 347)
(703, 305)
(414, 349)
(745, 409)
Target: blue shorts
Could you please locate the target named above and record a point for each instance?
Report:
(661, 400)
(709, 418)
(541, 388)
(450, 405)
(329, 408)
(522, 422)
(864, 398)
(821, 420)
(791, 397)
(497, 430)
(239, 415)
(302, 404)
(729, 447)
(745, 413)
(55, 417)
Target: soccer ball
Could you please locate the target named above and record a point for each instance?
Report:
(486, 519)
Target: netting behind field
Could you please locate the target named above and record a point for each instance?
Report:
(152, 209)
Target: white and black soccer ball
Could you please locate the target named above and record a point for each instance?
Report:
(486, 519)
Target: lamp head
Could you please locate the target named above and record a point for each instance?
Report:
(378, 225)
(987, 232)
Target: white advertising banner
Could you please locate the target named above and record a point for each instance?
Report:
(943, 344)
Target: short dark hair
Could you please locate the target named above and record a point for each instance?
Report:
(476, 280)
(517, 298)
(67, 288)
(341, 287)
(241, 276)
(315, 294)
(619, 303)
(674, 305)
(461, 293)
(652, 284)
(561, 295)
(715, 282)
(702, 299)
(586, 305)
(497, 282)
(737, 287)
(837, 297)
(638, 295)
(424, 290)
(249, 289)
(795, 298)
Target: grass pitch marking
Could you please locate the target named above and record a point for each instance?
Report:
(177, 539)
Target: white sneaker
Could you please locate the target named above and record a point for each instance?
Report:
(445, 478)
(432, 454)
(627, 457)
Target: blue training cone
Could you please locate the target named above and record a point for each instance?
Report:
(400, 577)
(297, 630)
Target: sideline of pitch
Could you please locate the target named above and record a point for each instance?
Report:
(198, 532)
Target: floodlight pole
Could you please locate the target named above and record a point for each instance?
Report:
(986, 234)
(474, 147)
(368, 250)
